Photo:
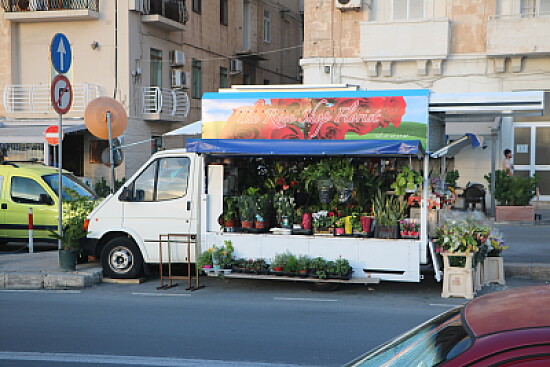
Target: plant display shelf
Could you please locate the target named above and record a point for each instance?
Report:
(299, 279)
(211, 272)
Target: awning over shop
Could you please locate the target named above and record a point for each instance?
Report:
(305, 147)
(31, 134)
(453, 148)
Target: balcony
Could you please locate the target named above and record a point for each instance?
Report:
(163, 104)
(405, 40)
(518, 35)
(32, 100)
(169, 15)
(49, 10)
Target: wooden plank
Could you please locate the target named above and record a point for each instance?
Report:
(298, 279)
(123, 281)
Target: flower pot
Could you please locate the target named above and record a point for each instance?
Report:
(325, 190)
(307, 220)
(260, 224)
(387, 232)
(67, 260)
(458, 281)
(366, 223)
(247, 224)
(493, 270)
(339, 231)
(348, 227)
(230, 225)
(207, 266)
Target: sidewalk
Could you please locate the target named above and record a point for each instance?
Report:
(41, 271)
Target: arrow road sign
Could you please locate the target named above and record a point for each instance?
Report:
(61, 53)
(61, 94)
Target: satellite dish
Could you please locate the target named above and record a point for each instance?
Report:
(95, 117)
(118, 155)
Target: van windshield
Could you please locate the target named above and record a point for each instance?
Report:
(70, 183)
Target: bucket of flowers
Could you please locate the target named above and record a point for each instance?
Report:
(409, 228)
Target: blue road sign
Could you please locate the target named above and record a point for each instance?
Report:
(61, 53)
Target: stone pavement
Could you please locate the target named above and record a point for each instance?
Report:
(528, 257)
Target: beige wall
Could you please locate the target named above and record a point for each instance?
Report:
(5, 57)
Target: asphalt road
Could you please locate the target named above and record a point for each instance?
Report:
(227, 323)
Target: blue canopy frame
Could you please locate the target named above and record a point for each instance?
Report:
(306, 147)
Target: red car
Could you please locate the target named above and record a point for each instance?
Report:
(507, 328)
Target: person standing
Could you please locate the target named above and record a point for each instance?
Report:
(507, 164)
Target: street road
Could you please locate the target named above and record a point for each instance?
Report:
(227, 323)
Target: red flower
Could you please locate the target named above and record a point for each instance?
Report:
(327, 131)
(246, 122)
(280, 181)
(286, 187)
(331, 214)
(394, 109)
(290, 132)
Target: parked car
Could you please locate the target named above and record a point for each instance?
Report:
(33, 186)
(506, 328)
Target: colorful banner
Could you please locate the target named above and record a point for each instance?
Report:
(355, 115)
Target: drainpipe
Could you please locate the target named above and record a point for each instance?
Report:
(116, 50)
(494, 135)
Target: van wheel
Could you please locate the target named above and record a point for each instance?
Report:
(121, 259)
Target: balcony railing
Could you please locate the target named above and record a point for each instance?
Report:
(170, 9)
(164, 104)
(35, 99)
(48, 5)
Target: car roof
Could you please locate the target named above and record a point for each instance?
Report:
(38, 169)
(513, 309)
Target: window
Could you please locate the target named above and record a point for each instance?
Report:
(408, 9)
(267, 26)
(96, 150)
(531, 8)
(266, 82)
(156, 68)
(224, 12)
(197, 83)
(26, 190)
(197, 6)
(224, 80)
(70, 184)
(164, 179)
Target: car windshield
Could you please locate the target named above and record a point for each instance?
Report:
(433, 342)
(70, 184)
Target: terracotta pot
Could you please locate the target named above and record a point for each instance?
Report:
(247, 224)
(230, 223)
(261, 224)
(366, 223)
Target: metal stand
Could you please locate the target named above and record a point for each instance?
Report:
(168, 239)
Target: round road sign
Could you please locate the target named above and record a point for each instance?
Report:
(61, 54)
(52, 134)
(61, 94)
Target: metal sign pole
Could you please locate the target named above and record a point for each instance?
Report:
(60, 179)
(111, 152)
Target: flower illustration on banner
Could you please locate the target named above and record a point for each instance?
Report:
(304, 118)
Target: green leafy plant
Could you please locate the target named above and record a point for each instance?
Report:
(303, 263)
(342, 266)
(75, 211)
(513, 190)
(388, 209)
(205, 258)
(318, 267)
(264, 206)
(280, 260)
(222, 255)
(291, 265)
(247, 204)
(408, 179)
(451, 177)
(230, 208)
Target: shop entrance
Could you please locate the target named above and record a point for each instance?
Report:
(532, 154)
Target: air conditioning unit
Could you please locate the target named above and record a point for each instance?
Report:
(236, 66)
(349, 4)
(180, 78)
(177, 58)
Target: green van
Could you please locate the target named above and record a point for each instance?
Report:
(24, 186)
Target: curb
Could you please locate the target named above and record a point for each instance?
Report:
(55, 280)
(533, 271)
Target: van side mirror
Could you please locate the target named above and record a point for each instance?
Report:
(45, 199)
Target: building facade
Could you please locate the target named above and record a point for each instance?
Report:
(447, 46)
(156, 57)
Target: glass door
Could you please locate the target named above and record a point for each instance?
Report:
(532, 154)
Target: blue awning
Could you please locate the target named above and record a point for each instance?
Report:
(305, 147)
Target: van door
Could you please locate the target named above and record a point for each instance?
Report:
(3, 207)
(161, 200)
(24, 193)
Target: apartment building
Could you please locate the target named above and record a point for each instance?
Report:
(156, 57)
(447, 46)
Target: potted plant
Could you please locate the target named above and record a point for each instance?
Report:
(260, 266)
(407, 180)
(317, 176)
(263, 209)
(317, 267)
(284, 209)
(513, 194)
(323, 222)
(247, 203)
(303, 266)
(341, 174)
(339, 226)
(204, 261)
(291, 266)
(75, 211)
(342, 269)
(222, 255)
(451, 177)
(388, 211)
(230, 213)
(493, 265)
(279, 262)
